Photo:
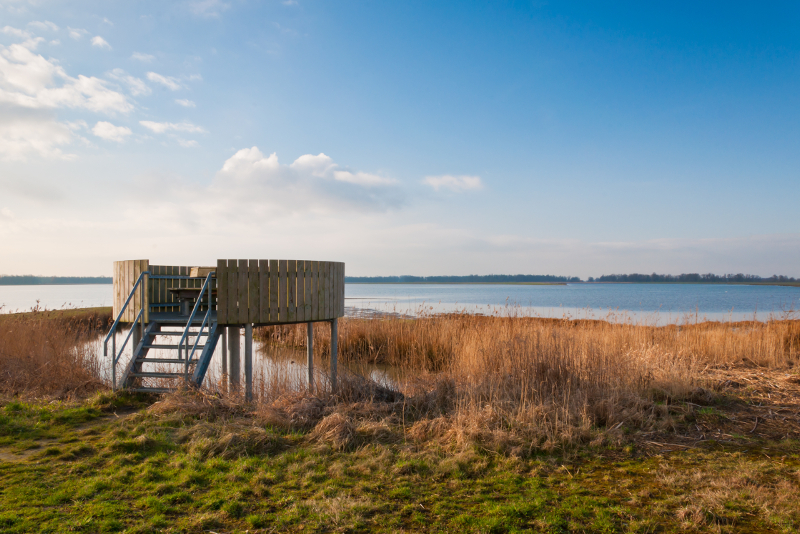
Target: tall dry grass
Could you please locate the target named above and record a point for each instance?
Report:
(520, 381)
(45, 353)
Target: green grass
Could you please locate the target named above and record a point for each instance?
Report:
(152, 473)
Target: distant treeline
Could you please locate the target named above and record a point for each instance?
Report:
(691, 278)
(471, 279)
(29, 280)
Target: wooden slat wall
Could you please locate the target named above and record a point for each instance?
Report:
(125, 273)
(279, 291)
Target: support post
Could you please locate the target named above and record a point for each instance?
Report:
(310, 355)
(248, 362)
(334, 350)
(233, 354)
(224, 360)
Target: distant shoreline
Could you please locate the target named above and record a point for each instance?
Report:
(29, 280)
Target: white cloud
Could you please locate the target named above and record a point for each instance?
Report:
(309, 184)
(28, 80)
(162, 127)
(185, 103)
(167, 81)
(144, 58)
(106, 21)
(135, 85)
(208, 8)
(15, 32)
(76, 33)
(109, 132)
(46, 25)
(24, 133)
(454, 183)
(191, 143)
(99, 42)
(361, 178)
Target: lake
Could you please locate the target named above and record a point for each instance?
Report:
(652, 303)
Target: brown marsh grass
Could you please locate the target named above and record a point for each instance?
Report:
(45, 353)
(512, 382)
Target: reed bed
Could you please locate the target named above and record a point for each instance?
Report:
(46, 353)
(515, 382)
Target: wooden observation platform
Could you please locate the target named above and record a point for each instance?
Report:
(193, 307)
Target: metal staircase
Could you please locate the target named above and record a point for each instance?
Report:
(173, 350)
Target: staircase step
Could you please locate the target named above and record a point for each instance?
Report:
(165, 360)
(160, 346)
(158, 375)
(178, 333)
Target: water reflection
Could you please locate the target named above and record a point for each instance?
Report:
(275, 367)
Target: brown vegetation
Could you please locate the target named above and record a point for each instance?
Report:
(516, 384)
(45, 353)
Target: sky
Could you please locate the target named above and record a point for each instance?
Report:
(421, 138)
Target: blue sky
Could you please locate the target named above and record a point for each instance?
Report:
(420, 138)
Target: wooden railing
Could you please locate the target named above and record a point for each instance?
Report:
(279, 291)
(247, 291)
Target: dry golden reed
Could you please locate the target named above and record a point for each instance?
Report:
(511, 382)
(45, 353)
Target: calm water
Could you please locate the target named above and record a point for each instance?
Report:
(640, 302)
(659, 303)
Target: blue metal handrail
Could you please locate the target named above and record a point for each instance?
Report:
(139, 318)
(206, 319)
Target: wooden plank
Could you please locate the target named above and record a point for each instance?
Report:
(335, 296)
(115, 289)
(233, 292)
(333, 290)
(146, 281)
(337, 288)
(273, 292)
(252, 290)
(283, 287)
(263, 291)
(307, 287)
(323, 290)
(291, 308)
(129, 313)
(340, 311)
(222, 291)
(329, 290)
(243, 292)
(315, 291)
(300, 300)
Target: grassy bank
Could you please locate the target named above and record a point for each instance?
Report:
(490, 424)
(190, 463)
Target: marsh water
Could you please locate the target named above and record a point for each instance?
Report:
(659, 303)
(638, 303)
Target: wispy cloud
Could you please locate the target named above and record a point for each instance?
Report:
(454, 183)
(109, 132)
(24, 133)
(162, 127)
(76, 33)
(185, 102)
(15, 32)
(208, 8)
(28, 80)
(136, 86)
(144, 58)
(99, 42)
(186, 143)
(173, 84)
(43, 25)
